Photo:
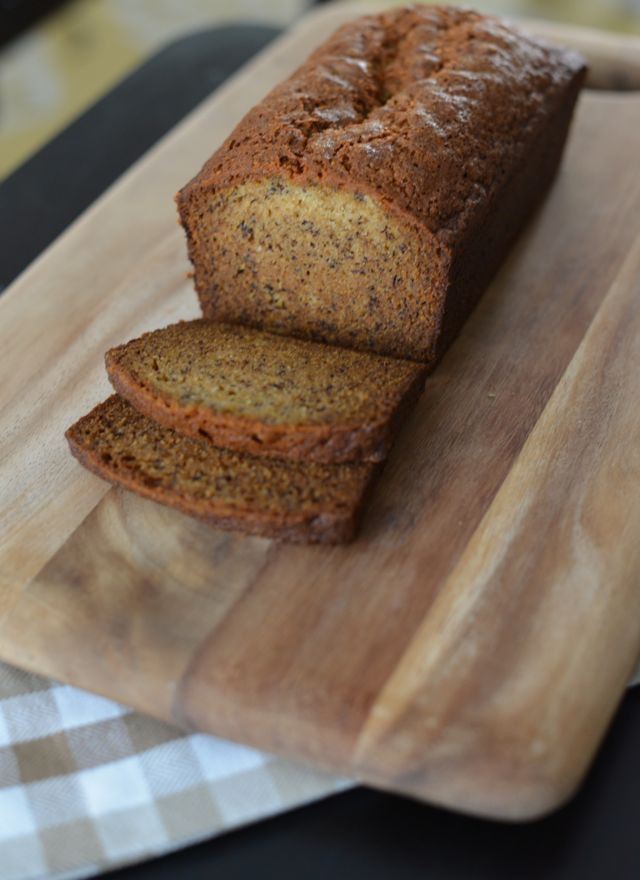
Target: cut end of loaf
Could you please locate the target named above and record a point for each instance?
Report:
(366, 200)
(315, 262)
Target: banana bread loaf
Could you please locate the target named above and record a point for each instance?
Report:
(264, 394)
(370, 197)
(292, 501)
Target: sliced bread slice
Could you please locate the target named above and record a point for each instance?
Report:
(292, 501)
(265, 394)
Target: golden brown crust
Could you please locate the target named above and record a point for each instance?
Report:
(427, 108)
(431, 112)
(368, 439)
(331, 521)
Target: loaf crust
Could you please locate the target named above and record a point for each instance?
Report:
(290, 501)
(316, 402)
(430, 116)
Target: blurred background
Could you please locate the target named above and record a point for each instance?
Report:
(57, 57)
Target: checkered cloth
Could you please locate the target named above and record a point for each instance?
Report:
(87, 785)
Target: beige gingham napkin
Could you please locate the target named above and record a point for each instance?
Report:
(87, 785)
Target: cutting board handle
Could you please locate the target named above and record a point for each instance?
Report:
(614, 59)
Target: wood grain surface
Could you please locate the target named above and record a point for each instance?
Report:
(471, 646)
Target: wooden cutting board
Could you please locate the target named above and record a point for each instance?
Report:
(471, 646)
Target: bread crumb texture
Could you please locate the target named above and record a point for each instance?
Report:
(295, 500)
(278, 380)
(266, 394)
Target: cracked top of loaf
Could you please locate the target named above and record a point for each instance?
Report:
(426, 108)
